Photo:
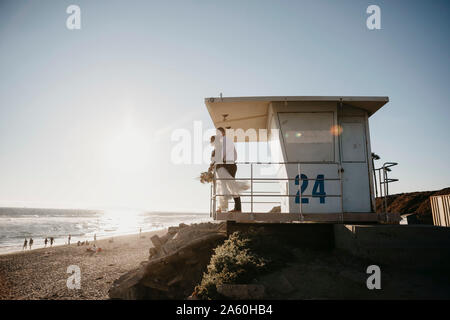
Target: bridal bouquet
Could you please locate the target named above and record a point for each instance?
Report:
(206, 177)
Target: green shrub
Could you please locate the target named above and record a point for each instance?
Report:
(239, 260)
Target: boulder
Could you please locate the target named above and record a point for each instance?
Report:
(172, 241)
(153, 252)
(156, 241)
(172, 230)
(129, 288)
(166, 238)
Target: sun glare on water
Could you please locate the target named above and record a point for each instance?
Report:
(123, 221)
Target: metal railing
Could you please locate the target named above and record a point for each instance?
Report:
(275, 180)
(383, 181)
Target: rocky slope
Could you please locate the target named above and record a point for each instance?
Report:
(412, 202)
(176, 264)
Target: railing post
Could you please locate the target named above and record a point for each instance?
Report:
(387, 183)
(385, 188)
(214, 196)
(210, 201)
(251, 188)
(379, 178)
(341, 192)
(300, 192)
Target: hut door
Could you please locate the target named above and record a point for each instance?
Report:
(355, 177)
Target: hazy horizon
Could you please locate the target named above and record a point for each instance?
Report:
(105, 209)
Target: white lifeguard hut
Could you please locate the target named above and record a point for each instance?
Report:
(320, 147)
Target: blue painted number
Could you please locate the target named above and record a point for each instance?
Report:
(303, 188)
(318, 189)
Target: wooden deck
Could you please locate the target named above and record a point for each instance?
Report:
(295, 217)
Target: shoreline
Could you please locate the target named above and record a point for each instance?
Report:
(41, 273)
(74, 243)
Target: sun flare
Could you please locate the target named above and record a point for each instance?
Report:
(128, 150)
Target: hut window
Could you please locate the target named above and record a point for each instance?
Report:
(307, 136)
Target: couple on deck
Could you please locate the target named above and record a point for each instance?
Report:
(223, 160)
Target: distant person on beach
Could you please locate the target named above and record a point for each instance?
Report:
(68, 240)
(45, 242)
(31, 242)
(95, 237)
(51, 241)
(25, 244)
(92, 249)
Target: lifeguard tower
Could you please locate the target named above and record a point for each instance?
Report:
(320, 152)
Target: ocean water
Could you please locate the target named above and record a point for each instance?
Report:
(16, 224)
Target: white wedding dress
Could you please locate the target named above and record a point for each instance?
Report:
(228, 189)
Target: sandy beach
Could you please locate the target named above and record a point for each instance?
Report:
(42, 273)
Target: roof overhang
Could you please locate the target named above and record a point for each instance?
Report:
(251, 112)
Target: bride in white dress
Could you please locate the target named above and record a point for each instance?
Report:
(228, 188)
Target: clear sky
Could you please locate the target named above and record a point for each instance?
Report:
(86, 115)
